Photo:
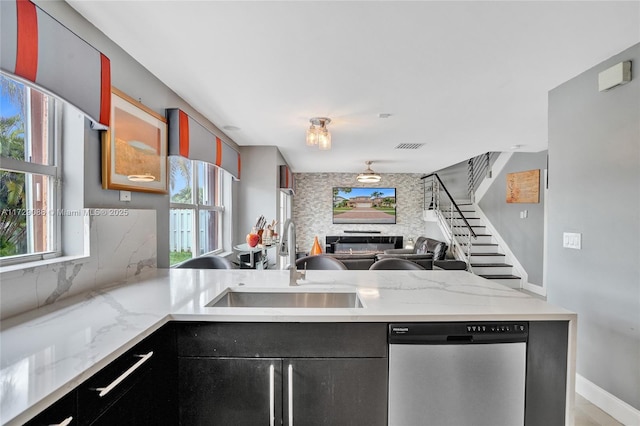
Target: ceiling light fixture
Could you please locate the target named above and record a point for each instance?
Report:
(368, 176)
(318, 134)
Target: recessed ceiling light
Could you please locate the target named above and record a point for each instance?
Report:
(384, 115)
(231, 128)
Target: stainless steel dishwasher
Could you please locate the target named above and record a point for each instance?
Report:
(457, 373)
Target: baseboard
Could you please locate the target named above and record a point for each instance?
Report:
(612, 405)
(541, 291)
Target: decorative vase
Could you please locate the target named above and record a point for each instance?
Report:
(316, 249)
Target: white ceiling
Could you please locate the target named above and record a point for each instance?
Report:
(462, 78)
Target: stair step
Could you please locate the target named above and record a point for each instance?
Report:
(492, 264)
(480, 238)
(491, 268)
(484, 248)
(487, 258)
(510, 281)
(499, 277)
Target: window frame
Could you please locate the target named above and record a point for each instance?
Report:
(197, 207)
(53, 171)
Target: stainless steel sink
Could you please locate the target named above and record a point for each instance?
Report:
(274, 299)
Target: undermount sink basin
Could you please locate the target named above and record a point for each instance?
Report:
(279, 299)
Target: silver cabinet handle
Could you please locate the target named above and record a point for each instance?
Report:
(66, 422)
(272, 396)
(290, 390)
(116, 382)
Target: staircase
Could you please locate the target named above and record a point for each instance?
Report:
(466, 234)
(486, 258)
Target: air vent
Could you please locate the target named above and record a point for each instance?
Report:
(409, 146)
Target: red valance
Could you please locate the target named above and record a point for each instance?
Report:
(192, 140)
(39, 49)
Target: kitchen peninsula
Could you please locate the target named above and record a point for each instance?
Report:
(47, 353)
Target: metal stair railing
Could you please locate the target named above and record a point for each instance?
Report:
(455, 226)
(478, 168)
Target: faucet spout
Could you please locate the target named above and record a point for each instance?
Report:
(288, 248)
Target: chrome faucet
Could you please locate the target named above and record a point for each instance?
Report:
(288, 248)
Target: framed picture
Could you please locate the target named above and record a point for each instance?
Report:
(523, 187)
(134, 149)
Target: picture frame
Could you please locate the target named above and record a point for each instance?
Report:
(364, 205)
(523, 187)
(134, 148)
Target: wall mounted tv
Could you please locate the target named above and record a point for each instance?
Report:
(353, 205)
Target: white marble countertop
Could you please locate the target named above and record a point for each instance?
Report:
(47, 352)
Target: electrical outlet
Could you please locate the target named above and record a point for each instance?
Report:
(572, 240)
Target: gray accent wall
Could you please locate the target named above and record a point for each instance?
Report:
(258, 192)
(524, 236)
(594, 190)
(135, 80)
(313, 207)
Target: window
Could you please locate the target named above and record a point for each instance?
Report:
(29, 173)
(196, 209)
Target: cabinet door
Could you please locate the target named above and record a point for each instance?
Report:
(230, 391)
(335, 391)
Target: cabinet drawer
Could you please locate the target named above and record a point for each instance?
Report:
(282, 339)
(105, 388)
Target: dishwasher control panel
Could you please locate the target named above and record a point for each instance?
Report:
(458, 332)
(496, 327)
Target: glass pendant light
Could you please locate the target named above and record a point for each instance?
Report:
(312, 135)
(318, 134)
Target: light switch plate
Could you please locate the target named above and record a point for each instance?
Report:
(125, 195)
(572, 240)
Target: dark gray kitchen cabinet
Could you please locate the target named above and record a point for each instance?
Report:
(137, 388)
(230, 391)
(336, 391)
(63, 412)
(282, 373)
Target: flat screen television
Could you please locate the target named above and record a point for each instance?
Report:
(357, 205)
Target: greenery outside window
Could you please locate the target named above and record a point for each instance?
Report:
(196, 213)
(29, 174)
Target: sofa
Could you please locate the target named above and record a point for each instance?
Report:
(355, 261)
(425, 260)
(427, 252)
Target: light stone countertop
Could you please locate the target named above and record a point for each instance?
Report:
(49, 351)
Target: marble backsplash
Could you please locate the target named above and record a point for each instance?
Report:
(312, 206)
(120, 247)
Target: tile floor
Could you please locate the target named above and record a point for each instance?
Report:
(588, 414)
